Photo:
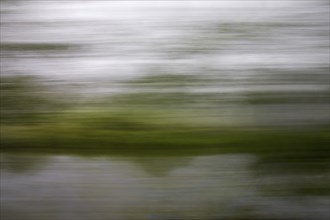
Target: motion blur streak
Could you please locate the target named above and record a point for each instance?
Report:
(176, 110)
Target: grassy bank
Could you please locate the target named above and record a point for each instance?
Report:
(136, 136)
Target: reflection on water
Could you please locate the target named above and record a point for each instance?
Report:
(201, 187)
(161, 166)
(22, 163)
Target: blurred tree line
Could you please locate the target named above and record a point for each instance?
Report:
(25, 100)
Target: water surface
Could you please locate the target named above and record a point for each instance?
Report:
(200, 187)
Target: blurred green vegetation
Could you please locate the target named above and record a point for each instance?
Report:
(25, 100)
(258, 98)
(117, 133)
(33, 119)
